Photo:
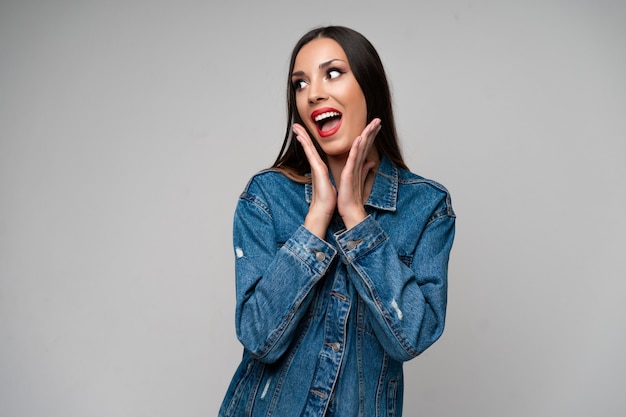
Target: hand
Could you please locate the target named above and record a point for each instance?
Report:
(324, 198)
(352, 186)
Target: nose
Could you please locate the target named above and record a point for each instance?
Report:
(316, 92)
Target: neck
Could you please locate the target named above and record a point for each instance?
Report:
(336, 165)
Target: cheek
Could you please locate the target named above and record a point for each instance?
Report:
(363, 104)
(361, 113)
(358, 99)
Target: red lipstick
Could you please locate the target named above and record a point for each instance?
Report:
(326, 116)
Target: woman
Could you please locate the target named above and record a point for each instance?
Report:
(341, 252)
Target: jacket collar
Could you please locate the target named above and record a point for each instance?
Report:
(384, 193)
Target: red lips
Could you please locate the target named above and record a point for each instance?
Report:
(329, 125)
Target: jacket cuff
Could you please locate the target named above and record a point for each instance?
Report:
(360, 240)
(312, 250)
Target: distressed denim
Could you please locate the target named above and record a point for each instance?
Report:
(326, 325)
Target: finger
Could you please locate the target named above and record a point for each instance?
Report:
(371, 130)
(307, 144)
(319, 170)
(368, 137)
(357, 159)
(365, 140)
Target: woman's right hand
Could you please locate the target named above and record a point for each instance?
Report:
(324, 198)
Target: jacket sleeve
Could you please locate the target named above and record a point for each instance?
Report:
(273, 284)
(406, 304)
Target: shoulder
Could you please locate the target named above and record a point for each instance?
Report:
(428, 191)
(270, 177)
(269, 186)
(409, 178)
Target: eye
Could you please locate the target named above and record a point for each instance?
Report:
(333, 73)
(298, 84)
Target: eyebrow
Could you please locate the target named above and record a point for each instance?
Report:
(321, 66)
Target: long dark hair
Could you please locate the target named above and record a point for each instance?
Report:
(368, 70)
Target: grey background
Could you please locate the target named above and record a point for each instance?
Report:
(128, 129)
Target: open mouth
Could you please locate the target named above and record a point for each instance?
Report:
(327, 121)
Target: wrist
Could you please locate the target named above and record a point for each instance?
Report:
(317, 224)
(353, 218)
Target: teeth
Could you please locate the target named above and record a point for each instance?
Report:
(326, 115)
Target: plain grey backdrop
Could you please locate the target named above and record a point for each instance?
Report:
(129, 128)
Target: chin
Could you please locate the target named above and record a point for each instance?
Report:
(336, 150)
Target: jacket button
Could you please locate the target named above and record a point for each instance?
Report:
(351, 245)
(320, 256)
(336, 346)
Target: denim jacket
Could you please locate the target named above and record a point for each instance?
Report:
(327, 324)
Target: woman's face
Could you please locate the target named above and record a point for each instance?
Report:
(329, 99)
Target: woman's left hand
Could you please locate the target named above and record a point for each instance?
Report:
(352, 189)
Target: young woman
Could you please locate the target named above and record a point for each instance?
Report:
(341, 252)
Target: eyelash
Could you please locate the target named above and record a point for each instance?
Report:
(298, 84)
(334, 70)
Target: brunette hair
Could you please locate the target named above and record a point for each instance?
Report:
(368, 70)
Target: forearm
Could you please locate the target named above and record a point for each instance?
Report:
(406, 304)
(274, 293)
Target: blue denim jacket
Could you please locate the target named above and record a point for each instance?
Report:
(327, 324)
